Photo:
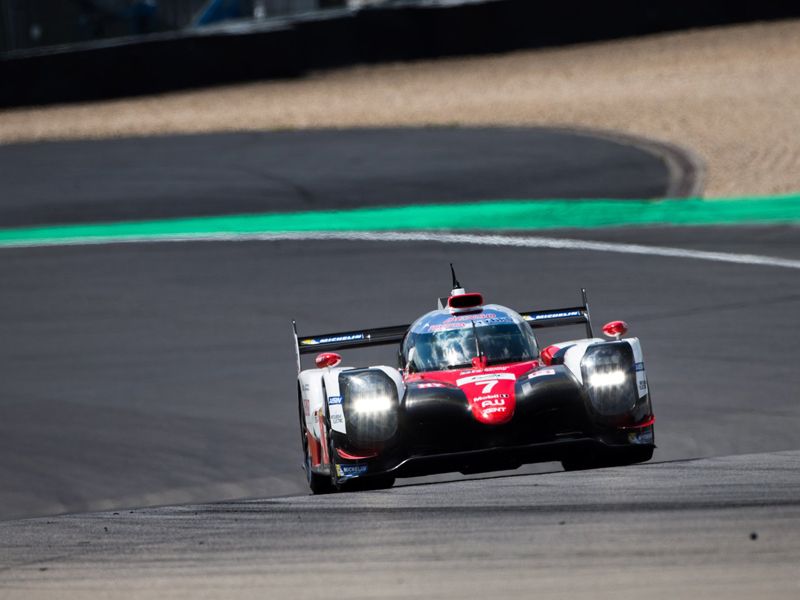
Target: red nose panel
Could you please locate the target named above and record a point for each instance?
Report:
(489, 390)
(490, 393)
(492, 401)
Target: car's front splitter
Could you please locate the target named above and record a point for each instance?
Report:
(499, 457)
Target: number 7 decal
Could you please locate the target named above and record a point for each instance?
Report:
(487, 388)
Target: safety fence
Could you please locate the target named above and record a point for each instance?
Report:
(390, 30)
(26, 24)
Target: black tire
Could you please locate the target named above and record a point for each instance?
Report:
(319, 484)
(617, 458)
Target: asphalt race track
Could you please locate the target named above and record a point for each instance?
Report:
(154, 374)
(163, 373)
(176, 176)
(717, 528)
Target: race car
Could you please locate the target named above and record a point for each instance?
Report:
(472, 393)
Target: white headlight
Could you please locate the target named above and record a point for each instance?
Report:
(607, 379)
(372, 403)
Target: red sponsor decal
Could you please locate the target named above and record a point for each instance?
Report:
(448, 327)
(475, 317)
(486, 370)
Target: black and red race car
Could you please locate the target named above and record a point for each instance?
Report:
(473, 392)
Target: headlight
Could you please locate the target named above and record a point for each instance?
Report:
(607, 379)
(610, 377)
(370, 405)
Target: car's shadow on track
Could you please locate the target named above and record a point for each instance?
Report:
(455, 478)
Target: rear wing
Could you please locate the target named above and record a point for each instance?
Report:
(380, 336)
(350, 339)
(363, 338)
(558, 317)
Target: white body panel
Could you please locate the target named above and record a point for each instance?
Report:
(577, 348)
(641, 374)
(318, 386)
(315, 384)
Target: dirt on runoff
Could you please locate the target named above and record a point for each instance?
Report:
(730, 94)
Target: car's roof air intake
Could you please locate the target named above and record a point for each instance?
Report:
(463, 301)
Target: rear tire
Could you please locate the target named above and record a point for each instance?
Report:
(616, 458)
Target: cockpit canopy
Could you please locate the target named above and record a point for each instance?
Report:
(440, 340)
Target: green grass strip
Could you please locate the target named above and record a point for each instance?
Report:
(493, 215)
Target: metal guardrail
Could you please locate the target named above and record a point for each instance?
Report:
(27, 24)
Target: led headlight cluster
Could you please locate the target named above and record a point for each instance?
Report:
(610, 377)
(370, 406)
(607, 379)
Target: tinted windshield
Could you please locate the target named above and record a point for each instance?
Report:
(455, 348)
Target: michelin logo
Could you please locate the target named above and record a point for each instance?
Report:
(553, 315)
(348, 471)
(334, 339)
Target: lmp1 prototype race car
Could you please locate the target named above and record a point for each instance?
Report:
(472, 393)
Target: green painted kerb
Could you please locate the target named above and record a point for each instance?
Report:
(505, 214)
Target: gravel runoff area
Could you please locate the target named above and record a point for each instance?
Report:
(730, 94)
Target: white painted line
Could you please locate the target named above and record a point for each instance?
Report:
(437, 237)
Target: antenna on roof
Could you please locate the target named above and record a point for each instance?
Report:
(456, 285)
(457, 289)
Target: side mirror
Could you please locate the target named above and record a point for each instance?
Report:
(615, 329)
(327, 359)
(548, 353)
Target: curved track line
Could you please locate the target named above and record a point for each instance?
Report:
(686, 167)
(445, 238)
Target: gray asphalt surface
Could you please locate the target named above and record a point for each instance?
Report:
(154, 374)
(726, 528)
(134, 376)
(163, 373)
(172, 176)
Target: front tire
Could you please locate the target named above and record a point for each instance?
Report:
(358, 484)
